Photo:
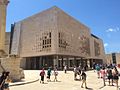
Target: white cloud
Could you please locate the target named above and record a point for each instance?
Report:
(113, 29)
(106, 44)
(117, 28)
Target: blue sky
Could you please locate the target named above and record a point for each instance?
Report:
(101, 16)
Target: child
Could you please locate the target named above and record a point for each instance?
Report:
(84, 79)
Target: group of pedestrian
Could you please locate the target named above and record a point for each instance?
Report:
(4, 81)
(82, 75)
(49, 72)
(109, 73)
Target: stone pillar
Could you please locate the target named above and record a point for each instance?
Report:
(68, 62)
(75, 61)
(62, 64)
(3, 5)
(55, 60)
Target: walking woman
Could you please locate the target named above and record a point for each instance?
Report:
(103, 75)
(42, 74)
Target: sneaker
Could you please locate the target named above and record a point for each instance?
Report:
(86, 87)
(81, 86)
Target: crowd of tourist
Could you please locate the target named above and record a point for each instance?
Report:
(105, 72)
(108, 73)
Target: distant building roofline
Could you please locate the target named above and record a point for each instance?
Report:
(95, 36)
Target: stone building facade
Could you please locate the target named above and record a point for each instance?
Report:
(113, 58)
(96, 49)
(53, 38)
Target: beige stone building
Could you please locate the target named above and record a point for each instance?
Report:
(53, 38)
(108, 58)
(113, 58)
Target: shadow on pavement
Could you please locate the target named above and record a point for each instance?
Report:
(55, 81)
(89, 88)
(101, 87)
(77, 79)
(44, 83)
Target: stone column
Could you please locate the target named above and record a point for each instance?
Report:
(55, 60)
(62, 64)
(3, 5)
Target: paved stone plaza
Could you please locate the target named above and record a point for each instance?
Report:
(65, 82)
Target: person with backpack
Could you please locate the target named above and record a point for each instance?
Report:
(48, 74)
(42, 74)
(109, 75)
(98, 70)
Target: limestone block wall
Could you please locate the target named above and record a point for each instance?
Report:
(35, 32)
(12, 65)
(74, 37)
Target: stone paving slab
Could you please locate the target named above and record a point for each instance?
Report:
(65, 82)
